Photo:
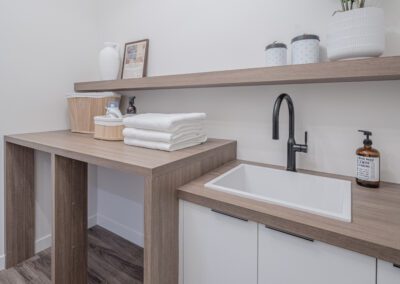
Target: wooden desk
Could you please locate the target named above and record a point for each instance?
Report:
(70, 154)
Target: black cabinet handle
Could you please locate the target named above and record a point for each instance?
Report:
(396, 265)
(229, 215)
(291, 234)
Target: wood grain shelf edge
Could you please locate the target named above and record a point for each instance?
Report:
(372, 69)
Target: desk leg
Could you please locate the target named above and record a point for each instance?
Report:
(20, 203)
(161, 225)
(69, 250)
(161, 216)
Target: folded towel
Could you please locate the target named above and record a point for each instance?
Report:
(164, 122)
(165, 137)
(165, 146)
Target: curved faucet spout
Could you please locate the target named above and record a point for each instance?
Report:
(292, 147)
(275, 116)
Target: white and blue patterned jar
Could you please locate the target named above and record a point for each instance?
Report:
(276, 54)
(305, 49)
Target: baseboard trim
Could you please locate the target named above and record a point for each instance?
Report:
(40, 245)
(45, 242)
(92, 221)
(121, 230)
(2, 262)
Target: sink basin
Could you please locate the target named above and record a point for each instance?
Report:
(323, 196)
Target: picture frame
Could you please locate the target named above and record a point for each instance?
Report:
(134, 64)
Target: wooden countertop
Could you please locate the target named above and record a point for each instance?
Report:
(374, 230)
(113, 154)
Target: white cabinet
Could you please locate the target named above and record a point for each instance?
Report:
(220, 249)
(387, 273)
(215, 248)
(286, 259)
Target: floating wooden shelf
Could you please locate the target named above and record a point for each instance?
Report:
(374, 69)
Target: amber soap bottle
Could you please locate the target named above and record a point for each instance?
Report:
(368, 163)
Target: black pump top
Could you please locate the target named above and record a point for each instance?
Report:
(367, 141)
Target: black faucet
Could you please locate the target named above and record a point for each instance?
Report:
(292, 147)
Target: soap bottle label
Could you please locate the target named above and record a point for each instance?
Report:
(367, 168)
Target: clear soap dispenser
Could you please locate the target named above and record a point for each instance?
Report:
(368, 163)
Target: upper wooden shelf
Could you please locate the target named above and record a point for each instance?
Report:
(374, 69)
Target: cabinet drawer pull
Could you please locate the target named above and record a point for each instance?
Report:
(396, 265)
(229, 215)
(291, 234)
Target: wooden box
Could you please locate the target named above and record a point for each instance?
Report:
(83, 108)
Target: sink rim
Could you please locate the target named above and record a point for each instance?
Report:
(344, 216)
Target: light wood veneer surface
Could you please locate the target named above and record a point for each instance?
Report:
(164, 172)
(115, 154)
(371, 69)
(19, 203)
(374, 230)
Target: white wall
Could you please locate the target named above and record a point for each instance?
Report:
(45, 47)
(192, 36)
(120, 200)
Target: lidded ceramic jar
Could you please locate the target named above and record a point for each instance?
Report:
(305, 49)
(276, 54)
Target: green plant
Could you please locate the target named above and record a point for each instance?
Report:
(352, 4)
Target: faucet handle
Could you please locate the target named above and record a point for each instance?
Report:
(303, 147)
(306, 138)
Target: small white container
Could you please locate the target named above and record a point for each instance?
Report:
(356, 33)
(109, 61)
(305, 49)
(276, 54)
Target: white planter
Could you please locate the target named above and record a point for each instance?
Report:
(356, 33)
(109, 61)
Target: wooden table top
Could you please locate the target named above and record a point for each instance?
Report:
(111, 154)
(374, 230)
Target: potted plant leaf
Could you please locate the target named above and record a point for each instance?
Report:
(356, 31)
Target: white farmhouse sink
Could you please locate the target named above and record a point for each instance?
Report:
(323, 196)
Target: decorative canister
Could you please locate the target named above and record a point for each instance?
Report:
(305, 49)
(109, 61)
(356, 33)
(276, 54)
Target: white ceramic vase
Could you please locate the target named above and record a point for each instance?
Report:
(356, 33)
(109, 61)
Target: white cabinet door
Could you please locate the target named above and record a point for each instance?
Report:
(286, 259)
(217, 249)
(387, 273)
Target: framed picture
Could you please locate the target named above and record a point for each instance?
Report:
(135, 59)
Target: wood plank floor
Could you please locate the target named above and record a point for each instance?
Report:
(112, 259)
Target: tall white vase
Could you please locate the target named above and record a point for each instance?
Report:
(356, 33)
(109, 61)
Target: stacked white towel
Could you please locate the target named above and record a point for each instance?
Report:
(167, 132)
